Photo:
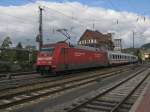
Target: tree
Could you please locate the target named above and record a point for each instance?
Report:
(6, 42)
(7, 55)
(19, 45)
(19, 53)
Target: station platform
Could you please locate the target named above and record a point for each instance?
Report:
(143, 102)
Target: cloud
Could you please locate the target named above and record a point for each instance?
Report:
(21, 22)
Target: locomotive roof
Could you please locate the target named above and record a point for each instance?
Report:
(54, 44)
(87, 48)
(74, 46)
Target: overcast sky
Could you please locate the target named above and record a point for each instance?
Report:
(19, 20)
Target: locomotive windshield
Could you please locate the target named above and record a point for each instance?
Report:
(48, 50)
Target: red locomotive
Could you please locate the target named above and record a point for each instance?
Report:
(62, 56)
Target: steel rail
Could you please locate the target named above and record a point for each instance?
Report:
(54, 83)
(3, 106)
(9, 75)
(75, 109)
(129, 94)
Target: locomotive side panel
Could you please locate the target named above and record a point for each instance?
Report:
(71, 58)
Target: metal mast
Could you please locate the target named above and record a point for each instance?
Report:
(40, 27)
(133, 39)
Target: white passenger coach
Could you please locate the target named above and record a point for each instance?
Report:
(121, 58)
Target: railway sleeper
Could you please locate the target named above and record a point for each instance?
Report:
(103, 103)
(99, 108)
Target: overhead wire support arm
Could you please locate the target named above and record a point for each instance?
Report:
(65, 33)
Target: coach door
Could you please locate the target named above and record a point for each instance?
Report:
(65, 58)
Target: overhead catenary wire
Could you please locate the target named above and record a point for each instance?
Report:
(22, 20)
(68, 16)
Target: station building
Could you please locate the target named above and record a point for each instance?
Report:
(96, 39)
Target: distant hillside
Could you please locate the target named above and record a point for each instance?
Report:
(146, 46)
(130, 50)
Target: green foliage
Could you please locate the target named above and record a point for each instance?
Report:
(23, 59)
(19, 45)
(20, 55)
(6, 43)
(7, 55)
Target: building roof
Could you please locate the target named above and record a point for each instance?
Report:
(97, 35)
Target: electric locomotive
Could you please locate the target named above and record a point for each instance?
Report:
(61, 56)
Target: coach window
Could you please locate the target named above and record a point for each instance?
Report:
(116, 56)
(113, 56)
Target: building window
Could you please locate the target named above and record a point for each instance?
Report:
(82, 41)
(91, 40)
(95, 41)
(85, 41)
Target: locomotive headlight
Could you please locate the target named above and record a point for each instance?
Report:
(39, 59)
(49, 62)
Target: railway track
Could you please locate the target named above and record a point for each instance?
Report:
(37, 79)
(116, 98)
(23, 95)
(12, 75)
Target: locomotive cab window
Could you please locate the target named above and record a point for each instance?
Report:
(48, 50)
